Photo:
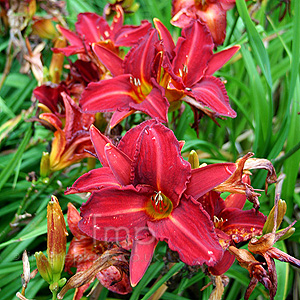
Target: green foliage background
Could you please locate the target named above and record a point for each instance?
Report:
(264, 89)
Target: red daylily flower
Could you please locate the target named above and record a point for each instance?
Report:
(210, 12)
(232, 224)
(147, 193)
(193, 82)
(134, 87)
(70, 143)
(92, 28)
(84, 250)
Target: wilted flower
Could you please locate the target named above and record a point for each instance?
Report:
(82, 253)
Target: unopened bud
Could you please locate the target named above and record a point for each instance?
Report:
(289, 233)
(43, 266)
(193, 159)
(45, 165)
(269, 225)
(56, 237)
(57, 61)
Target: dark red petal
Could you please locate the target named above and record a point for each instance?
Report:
(212, 203)
(119, 163)
(119, 116)
(114, 214)
(190, 232)
(73, 39)
(215, 18)
(141, 256)
(195, 46)
(107, 95)
(155, 104)
(73, 218)
(139, 59)
(117, 22)
(129, 35)
(159, 162)
(109, 59)
(165, 35)
(219, 59)
(126, 144)
(241, 225)
(91, 27)
(93, 181)
(222, 265)
(211, 92)
(99, 141)
(206, 178)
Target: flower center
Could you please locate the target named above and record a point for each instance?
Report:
(159, 206)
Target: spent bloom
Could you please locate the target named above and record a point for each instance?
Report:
(82, 253)
(146, 192)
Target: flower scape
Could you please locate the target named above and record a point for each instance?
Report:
(162, 198)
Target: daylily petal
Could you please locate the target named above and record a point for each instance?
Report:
(139, 59)
(119, 163)
(75, 120)
(220, 58)
(189, 231)
(107, 95)
(155, 104)
(196, 45)
(117, 22)
(211, 92)
(215, 19)
(116, 214)
(212, 203)
(73, 218)
(133, 134)
(90, 26)
(99, 141)
(109, 59)
(159, 162)
(119, 116)
(76, 43)
(222, 265)
(165, 35)
(129, 35)
(206, 178)
(93, 181)
(241, 225)
(140, 258)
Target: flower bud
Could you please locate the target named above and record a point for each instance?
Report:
(269, 225)
(57, 61)
(44, 28)
(289, 233)
(56, 238)
(43, 266)
(45, 165)
(193, 159)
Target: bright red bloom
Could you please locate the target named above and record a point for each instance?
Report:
(92, 28)
(193, 82)
(210, 12)
(134, 86)
(71, 140)
(84, 250)
(147, 193)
